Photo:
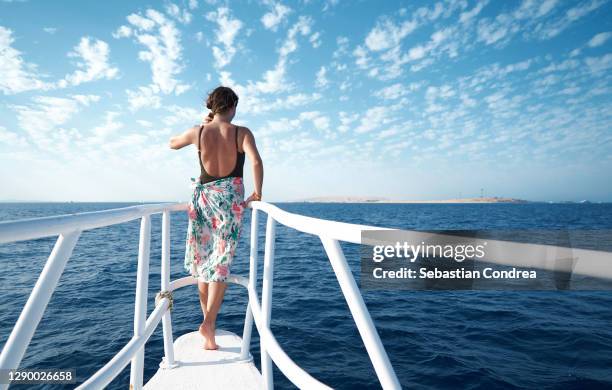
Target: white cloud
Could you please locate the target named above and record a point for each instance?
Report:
(386, 42)
(329, 4)
(273, 80)
(599, 64)
(551, 29)
(467, 16)
(184, 115)
(297, 100)
(109, 127)
(387, 34)
(144, 97)
(315, 39)
(303, 26)
(226, 32)
(494, 31)
(279, 126)
(16, 75)
(316, 118)
(388, 133)
(163, 52)
(86, 100)
(45, 113)
(302, 124)
(50, 30)
(11, 138)
(253, 99)
(322, 81)
(276, 16)
(362, 59)
(93, 63)
(346, 120)
(396, 91)
(372, 119)
(342, 47)
(531, 18)
(144, 123)
(182, 16)
(141, 22)
(122, 32)
(600, 39)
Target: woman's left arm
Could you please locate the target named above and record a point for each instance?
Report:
(182, 140)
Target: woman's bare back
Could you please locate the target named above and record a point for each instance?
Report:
(219, 148)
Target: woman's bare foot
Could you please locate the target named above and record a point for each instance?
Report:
(209, 336)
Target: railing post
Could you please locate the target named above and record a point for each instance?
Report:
(365, 325)
(168, 359)
(266, 299)
(248, 320)
(32, 312)
(140, 306)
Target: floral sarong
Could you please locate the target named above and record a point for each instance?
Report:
(215, 221)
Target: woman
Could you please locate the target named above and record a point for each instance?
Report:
(217, 203)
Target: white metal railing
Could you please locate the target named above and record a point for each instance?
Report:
(69, 228)
(330, 232)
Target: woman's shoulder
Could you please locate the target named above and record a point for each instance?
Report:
(194, 131)
(243, 131)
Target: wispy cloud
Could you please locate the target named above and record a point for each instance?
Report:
(322, 81)
(16, 75)
(182, 15)
(92, 63)
(45, 113)
(277, 15)
(227, 30)
(600, 39)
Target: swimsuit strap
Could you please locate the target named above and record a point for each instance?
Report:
(236, 138)
(199, 152)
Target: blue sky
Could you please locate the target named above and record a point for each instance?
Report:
(402, 100)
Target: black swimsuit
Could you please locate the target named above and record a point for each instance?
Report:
(236, 172)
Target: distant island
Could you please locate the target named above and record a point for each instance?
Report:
(358, 199)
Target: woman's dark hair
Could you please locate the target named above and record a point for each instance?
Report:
(221, 100)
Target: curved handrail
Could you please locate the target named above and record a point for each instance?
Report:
(340, 231)
(33, 228)
(110, 370)
(591, 263)
(113, 367)
(292, 371)
(330, 233)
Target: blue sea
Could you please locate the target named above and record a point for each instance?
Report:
(435, 339)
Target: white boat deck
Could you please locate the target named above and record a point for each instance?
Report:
(199, 368)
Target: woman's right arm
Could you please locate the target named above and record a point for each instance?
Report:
(250, 148)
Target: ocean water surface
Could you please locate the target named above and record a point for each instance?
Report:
(435, 339)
